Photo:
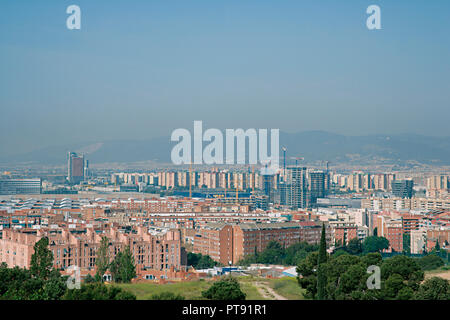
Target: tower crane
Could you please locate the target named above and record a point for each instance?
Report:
(297, 159)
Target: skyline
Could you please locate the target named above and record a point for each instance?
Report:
(139, 72)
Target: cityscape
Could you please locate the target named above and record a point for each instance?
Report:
(343, 194)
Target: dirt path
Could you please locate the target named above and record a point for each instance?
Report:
(444, 274)
(267, 292)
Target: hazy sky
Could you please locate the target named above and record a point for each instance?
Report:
(139, 69)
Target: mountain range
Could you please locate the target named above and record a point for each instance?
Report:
(312, 145)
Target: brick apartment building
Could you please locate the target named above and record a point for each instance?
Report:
(392, 230)
(227, 242)
(343, 234)
(410, 222)
(153, 250)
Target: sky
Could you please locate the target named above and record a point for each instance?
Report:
(140, 69)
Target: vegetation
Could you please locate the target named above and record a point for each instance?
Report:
(287, 287)
(434, 288)
(374, 244)
(166, 295)
(98, 291)
(406, 243)
(43, 282)
(122, 267)
(369, 245)
(40, 282)
(274, 253)
(225, 289)
(346, 275)
(430, 262)
(103, 260)
(199, 261)
(321, 272)
(191, 290)
(41, 260)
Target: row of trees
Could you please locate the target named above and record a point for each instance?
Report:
(435, 259)
(122, 267)
(369, 245)
(343, 276)
(200, 261)
(275, 253)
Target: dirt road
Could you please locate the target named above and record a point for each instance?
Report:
(267, 292)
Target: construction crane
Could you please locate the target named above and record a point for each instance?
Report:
(327, 164)
(253, 179)
(237, 188)
(297, 159)
(284, 162)
(190, 180)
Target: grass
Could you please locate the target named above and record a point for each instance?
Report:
(287, 287)
(192, 290)
(250, 290)
(442, 272)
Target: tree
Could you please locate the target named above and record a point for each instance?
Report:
(437, 247)
(307, 274)
(297, 252)
(374, 244)
(346, 277)
(103, 259)
(404, 266)
(20, 284)
(54, 287)
(41, 260)
(372, 259)
(272, 254)
(167, 296)
(89, 279)
(321, 260)
(226, 289)
(98, 291)
(392, 286)
(122, 267)
(354, 246)
(406, 244)
(430, 262)
(434, 288)
(339, 252)
(200, 261)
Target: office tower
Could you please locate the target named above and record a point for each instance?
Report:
(20, 186)
(402, 188)
(268, 184)
(296, 188)
(75, 168)
(317, 183)
(86, 169)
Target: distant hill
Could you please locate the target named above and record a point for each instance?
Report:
(312, 145)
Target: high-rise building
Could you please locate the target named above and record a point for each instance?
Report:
(75, 168)
(402, 188)
(20, 186)
(440, 182)
(86, 169)
(268, 185)
(296, 188)
(317, 185)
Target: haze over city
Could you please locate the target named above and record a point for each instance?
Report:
(225, 150)
(140, 71)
